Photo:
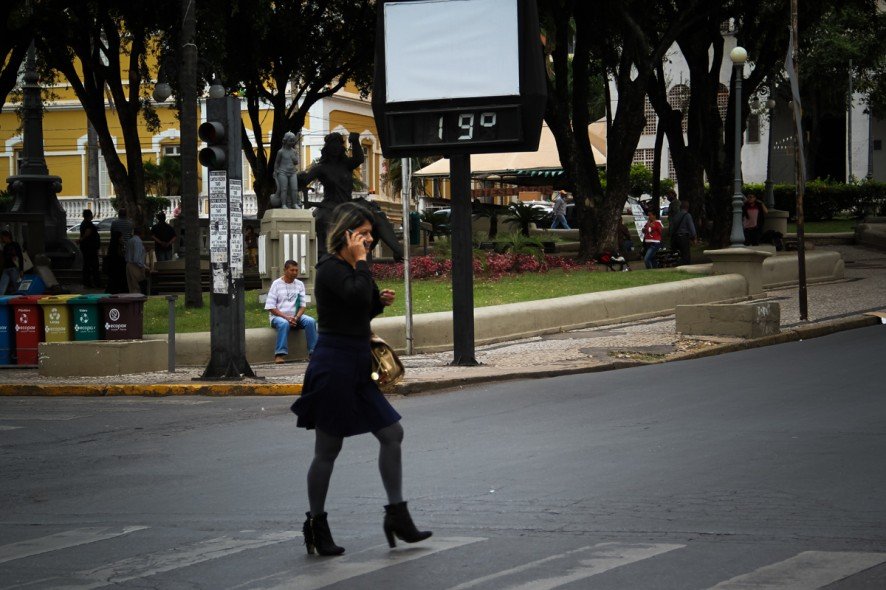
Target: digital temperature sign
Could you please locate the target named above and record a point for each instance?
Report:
(493, 126)
(458, 77)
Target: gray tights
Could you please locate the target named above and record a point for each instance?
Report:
(326, 449)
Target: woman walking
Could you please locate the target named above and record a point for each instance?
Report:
(652, 239)
(339, 398)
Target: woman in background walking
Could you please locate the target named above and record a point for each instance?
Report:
(652, 239)
(339, 398)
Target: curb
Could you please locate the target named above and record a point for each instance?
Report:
(240, 388)
(420, 387)
(793, 335)
(152, 390)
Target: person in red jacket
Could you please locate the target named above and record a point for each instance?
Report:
(652, 239)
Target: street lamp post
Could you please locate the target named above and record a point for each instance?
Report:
(739, 57)
(770, 197)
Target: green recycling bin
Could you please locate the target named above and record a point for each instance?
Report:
(56, 317)
(86, 316)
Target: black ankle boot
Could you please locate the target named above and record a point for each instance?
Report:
(398, 523)
(318, 536)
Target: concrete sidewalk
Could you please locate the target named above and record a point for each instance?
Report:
(856, 301)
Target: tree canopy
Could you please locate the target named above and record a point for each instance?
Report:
(286, 55)
(111, 43)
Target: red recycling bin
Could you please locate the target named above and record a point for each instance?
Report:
(28, 319)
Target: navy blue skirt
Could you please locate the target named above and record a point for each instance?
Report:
(338, 396)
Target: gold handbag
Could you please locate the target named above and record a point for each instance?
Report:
(387, 369)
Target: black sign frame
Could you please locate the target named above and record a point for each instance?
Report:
(517, 119)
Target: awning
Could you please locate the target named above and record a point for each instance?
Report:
(542, 164)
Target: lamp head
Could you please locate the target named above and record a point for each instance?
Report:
(738, 55)
(162, 91)
(216, 90)
(770, 104)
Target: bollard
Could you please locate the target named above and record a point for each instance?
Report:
(171, 338)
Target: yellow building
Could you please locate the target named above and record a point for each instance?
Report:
(68, 147)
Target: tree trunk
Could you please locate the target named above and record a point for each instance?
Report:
(190, 213)
(656, 166)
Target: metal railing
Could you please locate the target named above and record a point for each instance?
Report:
(102, 209)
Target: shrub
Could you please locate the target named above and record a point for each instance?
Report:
(824, 199)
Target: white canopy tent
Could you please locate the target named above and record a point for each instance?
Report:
(542, 163)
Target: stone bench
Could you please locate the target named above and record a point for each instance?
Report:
(745, 320)
(872, 232)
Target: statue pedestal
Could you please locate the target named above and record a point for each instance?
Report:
(287, 234)
(744, 261)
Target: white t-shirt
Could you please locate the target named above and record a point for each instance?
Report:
(287, 297)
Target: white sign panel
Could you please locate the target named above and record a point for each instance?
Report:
(218, 216)
(219, 279)
(444, 49)
(236, 220)
(639, 216)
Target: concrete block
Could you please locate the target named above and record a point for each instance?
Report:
(745, 320)
(96, 358)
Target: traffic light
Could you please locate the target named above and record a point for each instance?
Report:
(215, 155)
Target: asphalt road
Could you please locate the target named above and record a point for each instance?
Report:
(756, 469)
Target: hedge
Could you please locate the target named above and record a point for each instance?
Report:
(823, 200)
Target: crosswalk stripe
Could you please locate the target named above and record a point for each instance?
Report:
(603, 557)
(143, 566)
(347, 567)
(810, 569)
(518, 569)
(4, 427)
(61, 540)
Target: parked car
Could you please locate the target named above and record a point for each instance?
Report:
(103, 226)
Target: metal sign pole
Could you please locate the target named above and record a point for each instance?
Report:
(406, 179)
(462, 262)
(226, 308)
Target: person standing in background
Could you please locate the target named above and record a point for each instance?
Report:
(114, 264)
(682, 230)
(135, 262)
(123, 225)
(164, 236)
(90, 244)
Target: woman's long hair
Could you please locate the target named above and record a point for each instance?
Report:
(346, 216)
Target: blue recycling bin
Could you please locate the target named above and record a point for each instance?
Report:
(7, 330)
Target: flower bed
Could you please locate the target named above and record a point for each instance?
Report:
(488, 265)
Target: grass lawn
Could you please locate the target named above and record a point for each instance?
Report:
(836, 225)
(430, 295)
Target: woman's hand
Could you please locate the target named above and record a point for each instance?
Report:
(357, 246)
(387, 297)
